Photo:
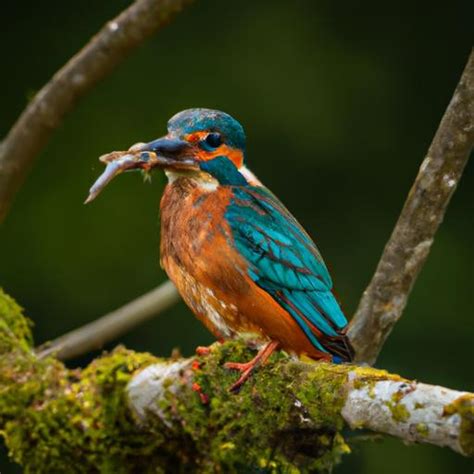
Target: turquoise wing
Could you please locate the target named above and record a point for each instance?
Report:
(284, 261)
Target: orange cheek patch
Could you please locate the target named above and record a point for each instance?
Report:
(235, 155)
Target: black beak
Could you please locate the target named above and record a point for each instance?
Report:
(165, 152)
(168, 152)
(165, 146)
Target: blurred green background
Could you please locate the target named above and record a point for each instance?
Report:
(339, 101)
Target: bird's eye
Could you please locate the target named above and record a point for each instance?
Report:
(214, 140)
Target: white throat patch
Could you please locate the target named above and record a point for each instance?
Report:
(203, 180)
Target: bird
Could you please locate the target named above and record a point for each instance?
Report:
(240, 260)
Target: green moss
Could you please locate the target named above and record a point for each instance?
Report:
(324, 395)
(422, 429)
(368, 376)
(72, 421)
(464, 407)
(264, 427)
(276, 423)
(15, 329)
(399, 411)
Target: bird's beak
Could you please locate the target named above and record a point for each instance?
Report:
(165, 152)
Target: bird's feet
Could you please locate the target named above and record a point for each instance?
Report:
(246, 369)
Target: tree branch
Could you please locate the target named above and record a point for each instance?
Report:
(135, 413)
(323, 396)
(44, 113)
(94, 335)
(406, 251)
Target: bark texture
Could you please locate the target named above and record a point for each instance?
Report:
(405, 253)
(96, 334)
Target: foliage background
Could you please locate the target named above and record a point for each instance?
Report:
(340, 103)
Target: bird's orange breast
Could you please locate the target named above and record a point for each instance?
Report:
(211, 276)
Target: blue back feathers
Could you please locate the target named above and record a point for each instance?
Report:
(284, 261)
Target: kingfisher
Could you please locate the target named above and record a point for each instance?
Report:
(240, 260)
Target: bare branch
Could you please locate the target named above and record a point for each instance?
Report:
(45, 112)
(94, 335)
(408, 247)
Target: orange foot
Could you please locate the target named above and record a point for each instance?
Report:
(246, 369)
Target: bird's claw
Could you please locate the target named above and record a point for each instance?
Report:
(246, 369)
(235, 387)
(242, 367)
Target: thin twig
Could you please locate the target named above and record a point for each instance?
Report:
(94, 335)
(45, 112)
(407, 249)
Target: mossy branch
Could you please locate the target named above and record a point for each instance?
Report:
(292, 396)
(130, 412)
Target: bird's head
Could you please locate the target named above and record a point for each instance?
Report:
(205, 134)
(198, 140)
